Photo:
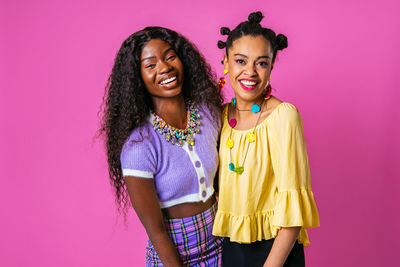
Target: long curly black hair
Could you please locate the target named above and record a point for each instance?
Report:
(127, 103)
(253, 27)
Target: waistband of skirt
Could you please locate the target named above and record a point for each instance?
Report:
(205, 217)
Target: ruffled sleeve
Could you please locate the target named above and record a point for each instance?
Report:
(294, 203)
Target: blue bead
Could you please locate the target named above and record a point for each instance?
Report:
(231, 166)
(234, 101)
(255, 108)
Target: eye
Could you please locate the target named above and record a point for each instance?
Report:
(263, 63)
(171, 57)
(150, 66)
(240, 61)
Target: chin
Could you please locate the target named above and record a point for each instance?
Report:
(249, 96)
(173, 92)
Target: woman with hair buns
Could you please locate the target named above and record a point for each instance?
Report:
(265, 198)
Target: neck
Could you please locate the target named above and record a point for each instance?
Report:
(172, 110)
(246, 105)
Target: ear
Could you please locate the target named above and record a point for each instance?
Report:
(225, 62)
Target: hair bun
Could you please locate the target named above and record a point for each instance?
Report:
(221, 45)
(281, 41)
(225, 31)
(255, 17)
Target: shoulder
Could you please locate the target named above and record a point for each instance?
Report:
(209, 110)
(285, 115)
(141, 138)
(139, 153)
(138, 156)
(286, 111)
(225, 109)
(212, 115)
(142, 133)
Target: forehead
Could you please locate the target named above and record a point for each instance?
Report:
(251, 45)
(154, 48)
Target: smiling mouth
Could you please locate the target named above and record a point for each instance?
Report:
(248, 84)
(168, 80)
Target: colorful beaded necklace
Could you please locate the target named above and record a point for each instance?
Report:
(251, 137)
(178, 136)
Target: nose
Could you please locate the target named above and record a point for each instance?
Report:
(164, 67)
(250, 70)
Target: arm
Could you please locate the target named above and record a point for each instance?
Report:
(295, 207)
(145, 202)
(282, 246)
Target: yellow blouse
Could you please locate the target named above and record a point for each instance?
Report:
(274, 189)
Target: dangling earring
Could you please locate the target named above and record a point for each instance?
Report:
(222, 80)
(268, 90)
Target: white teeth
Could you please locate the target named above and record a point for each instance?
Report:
(248, 83)
(168, 80)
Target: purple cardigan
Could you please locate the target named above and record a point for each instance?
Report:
(181, 174)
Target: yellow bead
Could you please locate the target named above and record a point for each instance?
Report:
(251, 137)
(229, 143)
(225, 71)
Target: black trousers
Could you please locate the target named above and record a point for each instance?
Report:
(255, 254)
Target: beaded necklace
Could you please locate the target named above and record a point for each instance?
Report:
(251, 137)
(178, 136)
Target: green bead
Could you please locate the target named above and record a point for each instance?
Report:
(239, 169)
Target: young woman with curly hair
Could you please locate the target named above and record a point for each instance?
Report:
(265, 197)
(161, 123)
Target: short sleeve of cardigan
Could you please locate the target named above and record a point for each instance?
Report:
(138, 159)
(295, 204)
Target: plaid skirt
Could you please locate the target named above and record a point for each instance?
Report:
(193, 239)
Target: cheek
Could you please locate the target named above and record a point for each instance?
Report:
(265, 73)
(263, 70)
(234, 70)
(147, 77)
(179, 66)
(233, 80)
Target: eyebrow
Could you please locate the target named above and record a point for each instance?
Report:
(247, 57)
(165, 52)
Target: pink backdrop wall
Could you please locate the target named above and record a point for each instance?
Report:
(341, 70)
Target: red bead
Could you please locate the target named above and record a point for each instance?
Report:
(232, 123)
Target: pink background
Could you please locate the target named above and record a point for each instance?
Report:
(341, 70)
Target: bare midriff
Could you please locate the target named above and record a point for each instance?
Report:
(188, 209)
